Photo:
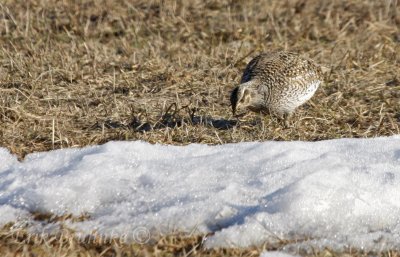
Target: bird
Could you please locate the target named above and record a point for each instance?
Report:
(276, 83)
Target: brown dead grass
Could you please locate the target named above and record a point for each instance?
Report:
(76, 73)
(21, 243)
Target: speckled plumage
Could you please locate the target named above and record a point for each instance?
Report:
(277, 83)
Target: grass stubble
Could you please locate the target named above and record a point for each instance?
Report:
(78, 73)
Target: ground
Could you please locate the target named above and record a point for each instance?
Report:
(77, 73)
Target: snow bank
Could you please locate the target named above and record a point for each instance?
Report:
(337, 193)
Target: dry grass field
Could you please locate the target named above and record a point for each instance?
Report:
(76, 73)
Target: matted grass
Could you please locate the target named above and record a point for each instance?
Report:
(77, 73)
(20, 242)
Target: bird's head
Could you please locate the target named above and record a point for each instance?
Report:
(241, 97)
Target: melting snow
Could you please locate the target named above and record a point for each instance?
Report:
(337, 193)
(277, 254)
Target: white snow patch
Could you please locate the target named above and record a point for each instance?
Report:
(277, 254)
(338, 193)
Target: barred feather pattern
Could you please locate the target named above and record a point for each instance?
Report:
(282, 82)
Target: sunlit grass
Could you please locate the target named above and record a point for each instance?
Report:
(77, 73)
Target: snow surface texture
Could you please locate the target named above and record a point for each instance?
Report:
(336, 193)
(277, 254)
